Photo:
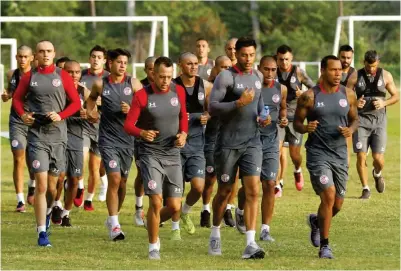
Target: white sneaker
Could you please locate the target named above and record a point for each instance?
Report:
(102, 193)
(139, 216)
(116, 233)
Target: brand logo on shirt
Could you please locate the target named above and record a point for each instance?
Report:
(152, 105)
(382, 149)
(275, 98)
(34, 84)
(106, 92)
(273, 174)
(77, 170)
(209, 71)
(56, 82)
(112, 164)
(152, 185)
(225, 178)
(293, 79)
(379, 83)
(177, 190)
(174, 101)
(209, 169)
(358, 145)
(127, 91)
(343, 102)
(14, 143)
(13, 81)
(201, 96)
(258, 169)
(55, 170)
(342, 192)
(324, 179)
(200, 171)
(258, 84)
(320, 104)
(240, 85)
(36, 164)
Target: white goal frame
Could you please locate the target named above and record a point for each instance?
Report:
(351, 20)
(13, 51)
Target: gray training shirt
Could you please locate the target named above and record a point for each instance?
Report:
(204, 70)
(272, 98)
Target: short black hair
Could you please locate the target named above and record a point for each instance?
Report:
(283, 49)
(244, 42)
(98, 48)
(371, 56)
(62, 59)
(163, 60)
(113, 54)
(266, 57)
(345, 48)
(69, 61)
(325, 61)
(201, 38)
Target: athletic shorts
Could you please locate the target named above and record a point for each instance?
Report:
(18, 136)
(248, 159)
(75, 163)
(324, 174)
(193, 165)
(116, 159)
(271, 156)
(210, 166)
(161, 176)
(91, 142)
(45, 157)
(291, 136)
(372, 132)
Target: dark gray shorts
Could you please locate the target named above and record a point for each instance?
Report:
(271, 156)
(162, 176)
(291, 136)
(91, 142)
(117, 159)
(18, 136)
(324, 174)
(47, 157)
(248, 159)
(75, 163)
(193, 166)
(371, 133)
(210, 166)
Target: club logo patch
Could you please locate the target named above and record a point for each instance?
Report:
(343, 102)
(152, 185)
(209, 169)
(56, 82)
(275, 98)
(127, 91)
(225, 178)
(379, 83)
(112, 164)
(209, 71)
(14, 143)
(174, 101)
(324, 179)
(36, 164)
(201, 96)
(359, 145)
(258, 84)
(293, 79)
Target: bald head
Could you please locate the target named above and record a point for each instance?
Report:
(185, 56)
(25, 48)
(189, 64)
(230, 49)
(222, 63)
(45, 53)
(150, 61)
(149, 67)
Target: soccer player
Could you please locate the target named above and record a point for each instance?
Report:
(19, 130)
(371, 84)
(330, 109)
(274, 97)
(292, 77)
(97, 60)
(149, 66)
(61, 62)
(236, 99)
(46, 90)
(159, 108)
(116, 146)
(193, 162)
(230, 50)
(205, 64)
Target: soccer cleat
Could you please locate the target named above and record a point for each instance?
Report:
(66, 221)
(176, 235)
(116, 234)
(379, 182)
(187, 223)
(79, 199)
(30, 198)
(56, 215)
(265, 236)
(228, 218)
(325, 252)
(278, 192)
(253, 251)
(102, 193)
(43, 240)
(299, 180)
(139, 216)
(154, 255)
(88, 206)
(239, 222)
(20, 207)
(214, 246)
(205, 219)
(314, 236)
(365, 194)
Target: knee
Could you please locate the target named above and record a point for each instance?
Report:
(41, 188)
(19, 159)
(174, 208)
(360, 159)
(224, 193)
(268, 186)
(156, 203)
(198, 187)
(329, 197)
(252, 193)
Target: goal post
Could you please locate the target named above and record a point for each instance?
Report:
(13, 51)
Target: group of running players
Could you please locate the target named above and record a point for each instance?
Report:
(218, 120)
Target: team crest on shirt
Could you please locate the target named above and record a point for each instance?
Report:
(36, 164)
(14, 143)
(225, 178)
(293, 79)
(276, 98)
(379, 83)
(56, 82)
(343, 102)
(174, 101)
(324, 179)
(209, 169)
(201, 96)
(152, 185)
(258, 84)
(127, 91)
(209, 71)
(358, 145)
(112, 164)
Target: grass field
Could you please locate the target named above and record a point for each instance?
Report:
(365, 234)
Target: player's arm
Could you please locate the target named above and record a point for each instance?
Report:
(19, 99)
(6, 95)
(72, 95)
(136, 84)
(138, 103)
(218, 92)
(87, 92)
(391, 88)
(305, 79)
(352, 80)
(283, 107)
(353, 119)
(212, 75)
(304, 104)
(183, 119)
(91, 108)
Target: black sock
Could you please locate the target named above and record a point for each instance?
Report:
(324, 242)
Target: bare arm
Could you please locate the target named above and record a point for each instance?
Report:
(353, 119)
(136, 84)
(352, 80)
(305, 79)
(283, 104)
(96, 91)
(304, 104)
(208, 90)
(391, 88)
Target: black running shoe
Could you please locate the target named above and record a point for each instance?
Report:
(228, 218)
(205, 219)
(66, 221)
(56, 215)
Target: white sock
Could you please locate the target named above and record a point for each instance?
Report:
(65, 212)
(154, 246)
(265, 227)
(186, 208)
(20, 197)
(239, 211)
(41, 228)
(229, 206)
(58, 203)
(104, 180)
(31, 183)
(49, 210)
(206, 207)
(366, 187)
(114, 221)
(175, 225)
(139, 201)
(250, 237)
(377, 174)
(81, 184)
(89, 196)
(298, 170)
(215, 232)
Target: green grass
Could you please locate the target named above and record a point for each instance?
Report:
(364, 235)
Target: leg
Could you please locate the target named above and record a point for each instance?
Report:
(251, 185)
(296, 157)
(363, 174)
(220, 201)
(267, 209)
(210, 180)
(18, 177)
(139, 191)
(153, 221)
(122, 190)
(93, 177)
(112, 197)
